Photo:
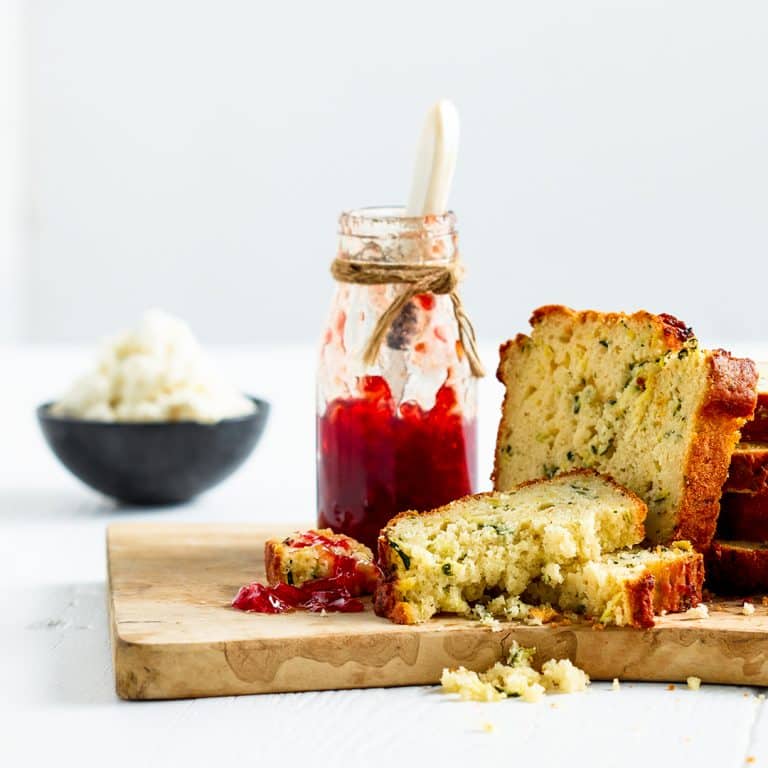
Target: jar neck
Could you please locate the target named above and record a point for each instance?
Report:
(388, 236)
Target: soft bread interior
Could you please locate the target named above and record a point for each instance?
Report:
(497, 544)
(607, 394)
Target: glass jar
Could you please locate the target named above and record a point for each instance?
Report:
(399, 432)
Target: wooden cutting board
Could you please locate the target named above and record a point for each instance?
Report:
(174, 634)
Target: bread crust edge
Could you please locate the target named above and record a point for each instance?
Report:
(728, 403)
(743, 517)
(734, 569)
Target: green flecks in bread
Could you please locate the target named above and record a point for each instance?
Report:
(496, 544)
(629, 586)
(632, 396)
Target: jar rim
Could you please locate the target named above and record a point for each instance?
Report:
(391, 221)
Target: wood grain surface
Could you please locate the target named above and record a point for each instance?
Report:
(174, 634)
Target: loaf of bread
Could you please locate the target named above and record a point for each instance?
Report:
(737, 567)
(632, 396)
(748, 472)
(629, 587)
(756, 430)
(321, 554)
(743, 516)
(497, 544)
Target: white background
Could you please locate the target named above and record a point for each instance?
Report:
(195, 156)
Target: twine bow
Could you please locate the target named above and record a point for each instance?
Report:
(418, 278)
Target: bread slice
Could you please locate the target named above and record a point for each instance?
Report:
(320, 554)
(629, 587)
(496, 544)
(743, 516)
(756, 430)
(631, 396)
(737, 567)
(749, 469)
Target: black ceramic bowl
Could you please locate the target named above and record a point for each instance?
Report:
(152, 463)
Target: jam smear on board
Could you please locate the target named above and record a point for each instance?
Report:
(318, 595)
(376, 459)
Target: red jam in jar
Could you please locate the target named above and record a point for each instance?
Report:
(376, 459)
(396, 389)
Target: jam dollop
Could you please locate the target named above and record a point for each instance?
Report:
(376, 458)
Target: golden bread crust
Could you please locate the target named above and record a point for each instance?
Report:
(731, 399)
(749, 469)
(675, 331)
(274, 561)
(737, 567)
(743, 516)
(678, 584)
(756, 430)
(640, 595)
(666, 587)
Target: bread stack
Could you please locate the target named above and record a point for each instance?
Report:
(738, 559)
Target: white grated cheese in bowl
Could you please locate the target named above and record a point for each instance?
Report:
(156, 372)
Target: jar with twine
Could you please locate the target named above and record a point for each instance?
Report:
(397, 373)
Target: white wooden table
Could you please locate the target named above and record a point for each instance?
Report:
(57, 698)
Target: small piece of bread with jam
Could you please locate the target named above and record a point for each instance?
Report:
(320, 554)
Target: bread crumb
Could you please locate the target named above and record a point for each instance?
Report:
(747, 609)
(488, 727)
(515, 678)
(615, 685)
(671, 687)
(694, 683)
(750, 759)
(663, 612)
(562, 675)
(489, 621)
(699, 612)
(764, 600)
